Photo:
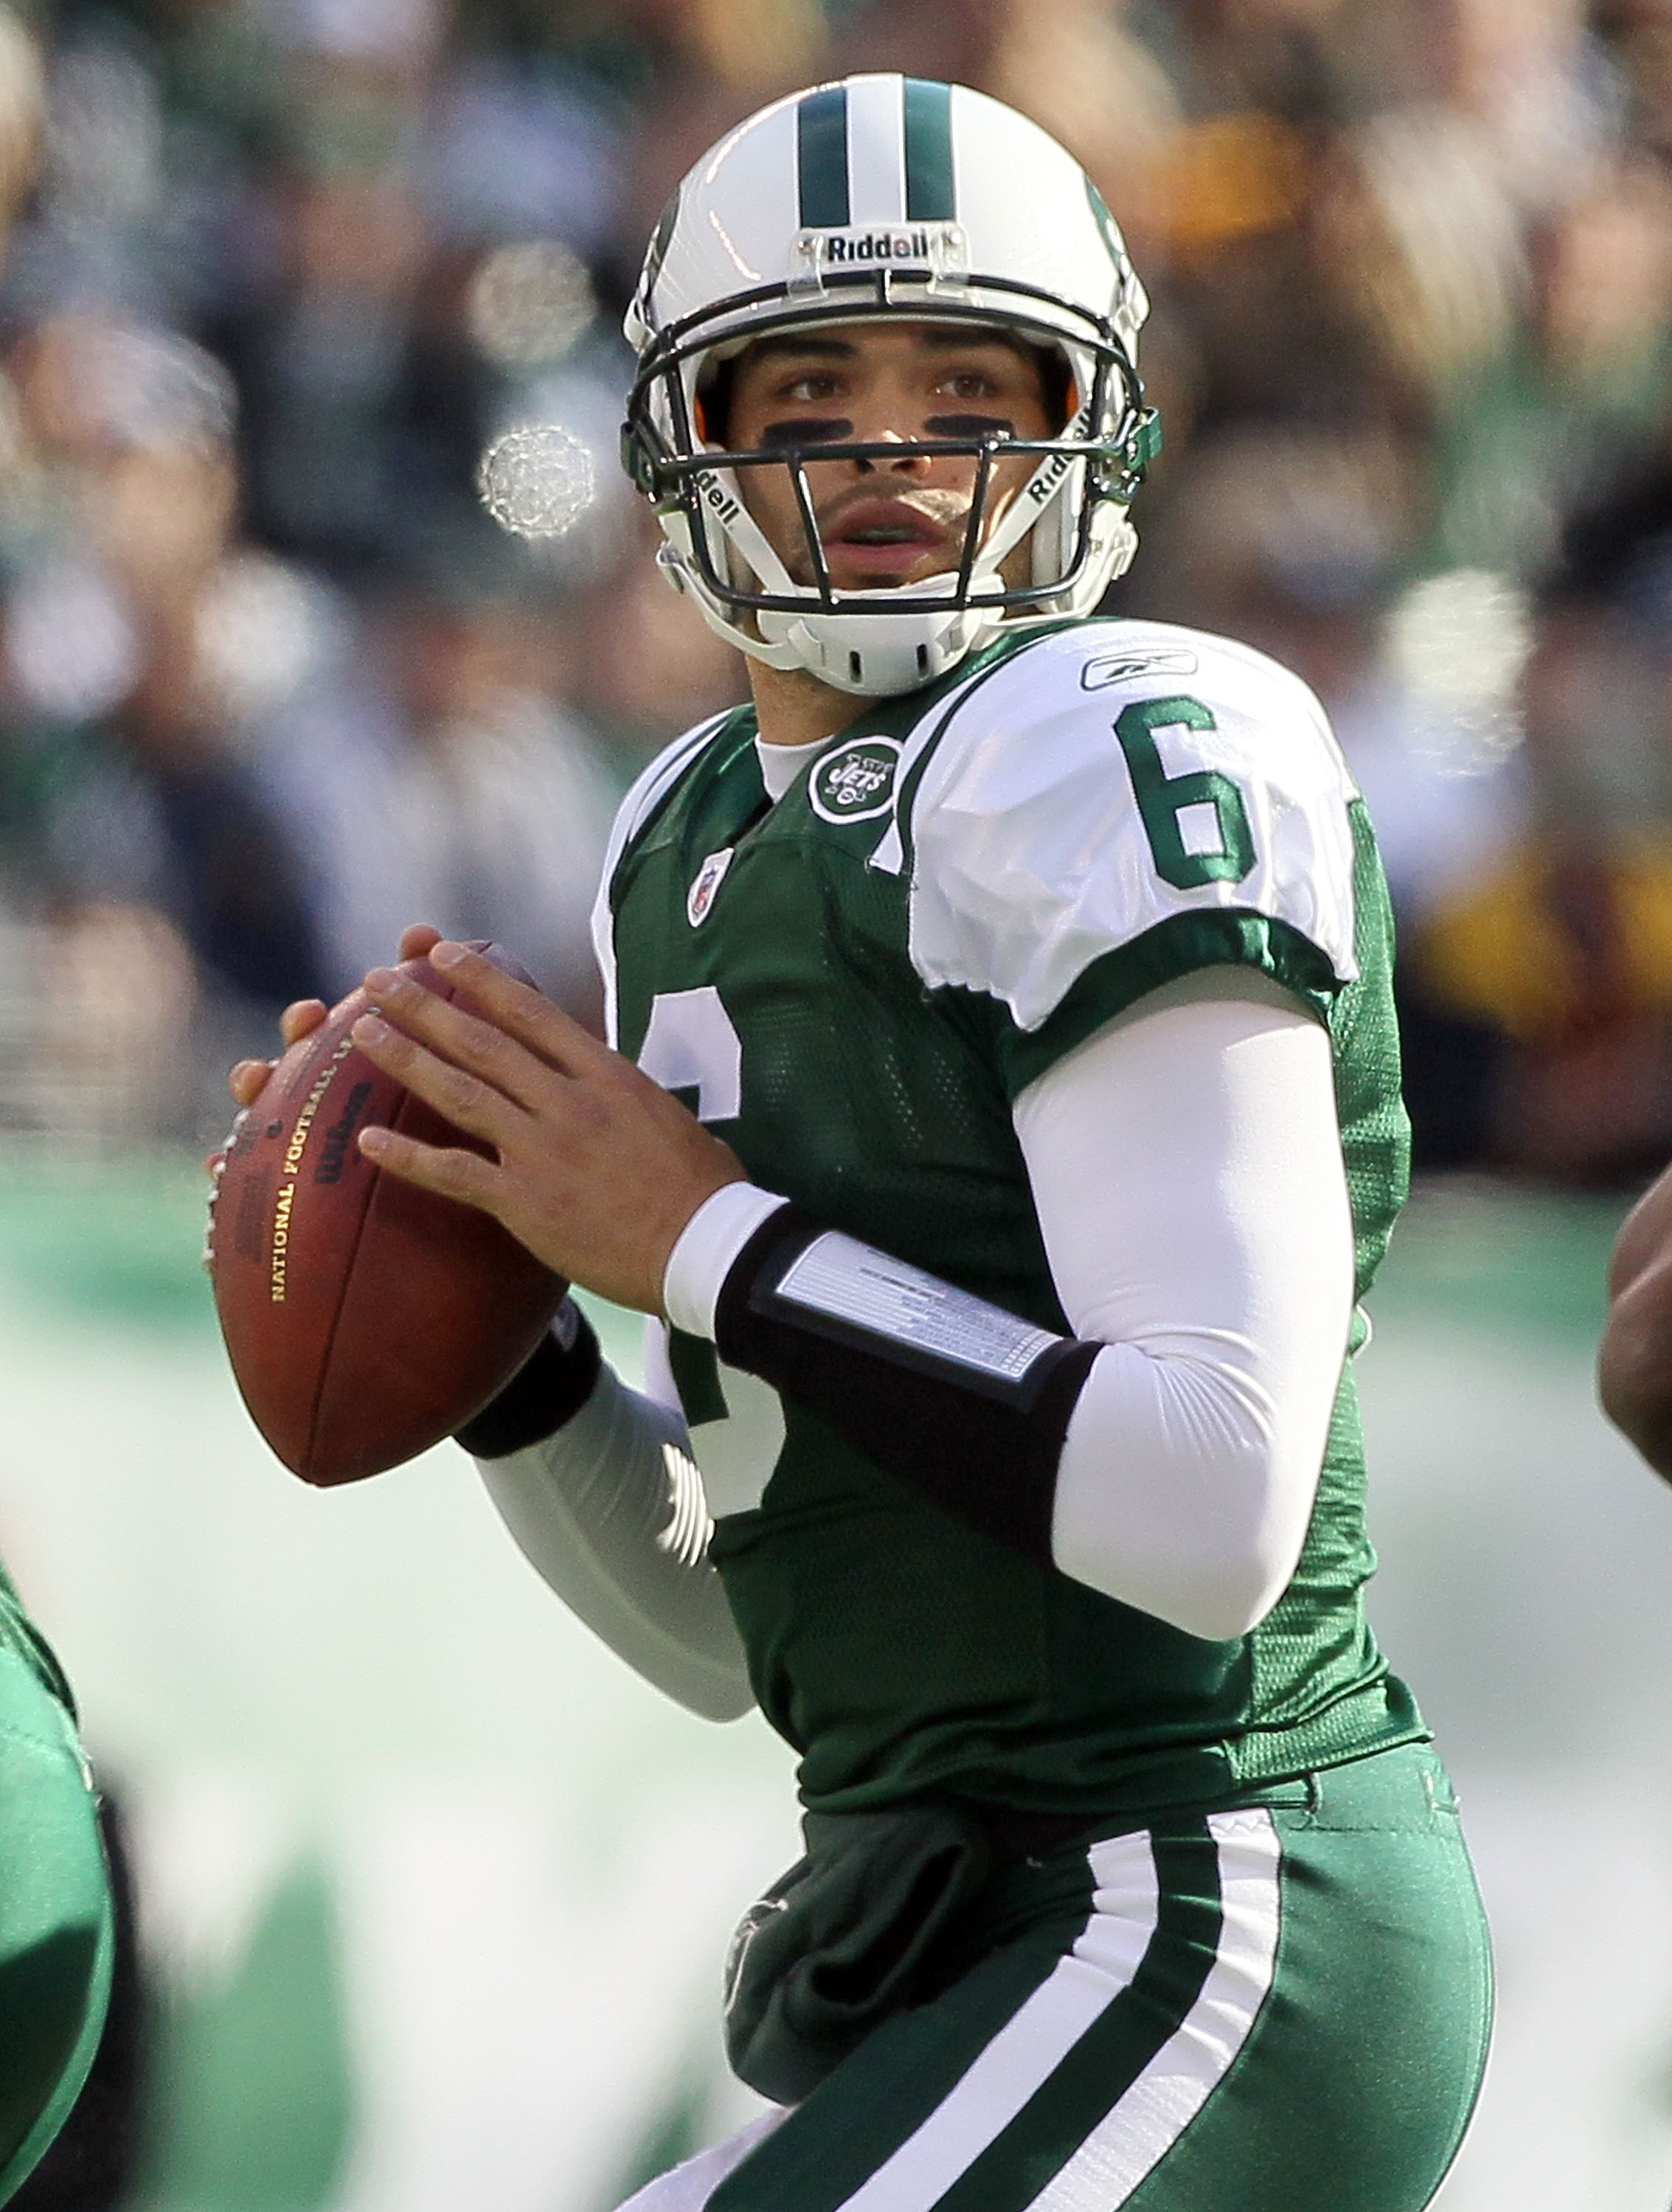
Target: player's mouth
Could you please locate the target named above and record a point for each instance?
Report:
(885, 542)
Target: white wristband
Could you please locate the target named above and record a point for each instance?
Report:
(708, 1243)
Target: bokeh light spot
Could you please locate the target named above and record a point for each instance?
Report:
(530, 303)
(536, 480)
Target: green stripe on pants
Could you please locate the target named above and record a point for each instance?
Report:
(1113, 2051)
(854, 2121)
(1310, 2040)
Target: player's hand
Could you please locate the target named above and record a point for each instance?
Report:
(299, 1019)
(597, 1168)
(245, 1078)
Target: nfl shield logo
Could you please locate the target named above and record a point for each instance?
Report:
(708, 879)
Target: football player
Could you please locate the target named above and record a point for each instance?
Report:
(57, 1922)
(1001, 1126)
(1634, 1370)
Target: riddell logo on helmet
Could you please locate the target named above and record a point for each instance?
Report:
(937, 250)
(877, 245)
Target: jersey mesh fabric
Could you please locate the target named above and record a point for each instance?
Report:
(898, 1651)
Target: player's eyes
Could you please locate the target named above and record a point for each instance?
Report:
(817, 385)
(970, 383)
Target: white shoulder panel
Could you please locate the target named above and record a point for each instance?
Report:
(1033, 851)
(642, 796)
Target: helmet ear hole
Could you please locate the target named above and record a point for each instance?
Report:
(1057, 386)
(714, 402)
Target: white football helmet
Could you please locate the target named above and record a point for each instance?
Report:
(889, 196)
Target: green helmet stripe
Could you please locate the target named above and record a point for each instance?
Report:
(931, 196)
(821, 158)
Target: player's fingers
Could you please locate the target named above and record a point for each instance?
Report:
(301, 1019)
(416, 938)
(523, 1013)
(470, 1104)
(463, 1176)
(464, 1038)
(244, 1081)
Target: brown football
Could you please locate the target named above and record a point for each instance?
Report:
(365, 1319)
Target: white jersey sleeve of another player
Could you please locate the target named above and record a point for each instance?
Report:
(1108, 780)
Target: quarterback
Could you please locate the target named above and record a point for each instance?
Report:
(1001, 1126)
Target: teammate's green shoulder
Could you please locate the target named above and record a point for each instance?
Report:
(1132, 797)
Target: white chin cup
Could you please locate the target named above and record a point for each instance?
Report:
(875, 656)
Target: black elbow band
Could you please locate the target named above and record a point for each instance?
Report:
(549, 1389)
(953, 1395)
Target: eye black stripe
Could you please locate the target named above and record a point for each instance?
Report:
(931, 192)
(806, 430)
(970, 425)
(821, 158)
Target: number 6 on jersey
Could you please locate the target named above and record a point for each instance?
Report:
(1196, 824)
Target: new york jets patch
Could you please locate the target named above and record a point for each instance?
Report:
(706, 882)
(856, 783)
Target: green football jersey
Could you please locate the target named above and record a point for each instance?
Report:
(852, 985)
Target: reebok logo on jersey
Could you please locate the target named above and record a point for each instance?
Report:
(1120, 667)
(856, 783)
(699, 900)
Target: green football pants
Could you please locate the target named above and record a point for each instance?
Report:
(56, 1926)
(1282, 2007)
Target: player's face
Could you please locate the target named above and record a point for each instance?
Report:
(883, 522)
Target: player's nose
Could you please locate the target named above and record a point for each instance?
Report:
(908, 463)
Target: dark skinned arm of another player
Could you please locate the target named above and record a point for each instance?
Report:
(1634, 1368)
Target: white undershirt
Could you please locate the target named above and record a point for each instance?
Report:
(1186, 1167)
(782, 764)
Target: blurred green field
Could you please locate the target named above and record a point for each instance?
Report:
(435, 1893)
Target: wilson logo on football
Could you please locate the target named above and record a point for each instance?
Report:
(856, 783)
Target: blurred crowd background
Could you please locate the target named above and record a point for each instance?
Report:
(276, 273)
(271, 683)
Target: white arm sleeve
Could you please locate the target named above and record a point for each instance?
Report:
(1186, 1166)
(611, 1512)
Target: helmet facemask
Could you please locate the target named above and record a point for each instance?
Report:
(882, 640)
